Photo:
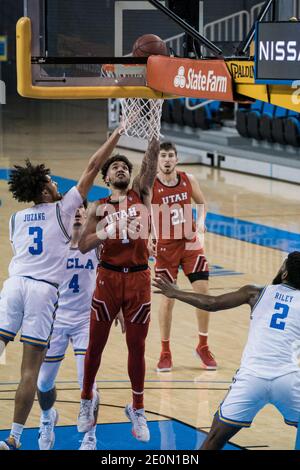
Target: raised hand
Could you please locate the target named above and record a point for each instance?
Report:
(165, 287)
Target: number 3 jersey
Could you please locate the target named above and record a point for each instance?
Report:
(274, 333)
(76, 290)
(40, 238)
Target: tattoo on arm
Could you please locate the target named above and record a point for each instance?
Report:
(149, 167)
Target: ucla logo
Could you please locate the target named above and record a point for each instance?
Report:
(74, 263)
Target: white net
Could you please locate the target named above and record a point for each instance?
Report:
(142, 117)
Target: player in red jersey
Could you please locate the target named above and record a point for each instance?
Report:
(176, 248)
(120, 224)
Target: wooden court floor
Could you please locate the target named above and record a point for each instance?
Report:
(188, 393)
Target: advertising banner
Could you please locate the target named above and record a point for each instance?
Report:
(277, 58)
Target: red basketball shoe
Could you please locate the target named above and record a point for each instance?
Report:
(165, 362)
(206, 357)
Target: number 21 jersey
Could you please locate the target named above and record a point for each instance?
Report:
(172, 209)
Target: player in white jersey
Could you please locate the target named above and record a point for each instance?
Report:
(71, 325)
(40, 241)
(269, 371)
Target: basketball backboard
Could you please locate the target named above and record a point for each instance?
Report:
(89, 29)
(63, 47)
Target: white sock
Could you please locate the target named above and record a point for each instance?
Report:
(16, 431)
(46, 414)
(91, 433)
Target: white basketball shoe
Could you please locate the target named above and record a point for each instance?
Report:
(140, 429)
(88, 413)
(89, 443)
(46, 433)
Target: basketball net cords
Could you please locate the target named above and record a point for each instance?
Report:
(142, 117)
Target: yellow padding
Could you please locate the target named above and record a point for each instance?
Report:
(242, 72)
(27, 90)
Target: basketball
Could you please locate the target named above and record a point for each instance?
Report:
(161, 178)
(149, 44)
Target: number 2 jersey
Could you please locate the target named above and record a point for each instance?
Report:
(76, 290)
(40, 237)
(274, 331)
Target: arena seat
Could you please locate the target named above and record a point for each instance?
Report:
(167, 111)
(242, 121)
(189, 114)
(265, 122)
(253, 122)
(205, 117)
(178, 108)
(208, 115)
(216, 112)
(292, 129)
(277, 124)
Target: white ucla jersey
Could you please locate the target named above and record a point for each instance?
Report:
(274, 329)
(40, 238)
(76, 291)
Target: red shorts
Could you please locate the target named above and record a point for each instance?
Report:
(130, 292)
(173, 254)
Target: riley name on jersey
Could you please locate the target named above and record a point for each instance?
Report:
(283, 298)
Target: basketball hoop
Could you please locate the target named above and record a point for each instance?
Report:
(141, 117)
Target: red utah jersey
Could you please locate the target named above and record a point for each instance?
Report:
(122, 250)
(172, 209)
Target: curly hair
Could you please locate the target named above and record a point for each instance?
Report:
(26, 183)
(293, 269)
(111, 160)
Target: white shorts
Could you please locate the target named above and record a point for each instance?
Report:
(249, 394)
(78, 335)
(27, 305)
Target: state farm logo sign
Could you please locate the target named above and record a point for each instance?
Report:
(206, 79)
(200, 80)
(180, 80)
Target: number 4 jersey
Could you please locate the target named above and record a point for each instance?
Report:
(40, 238)
(274, 333)
(76, 290)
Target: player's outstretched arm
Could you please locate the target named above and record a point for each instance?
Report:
(143, 182)
(91, 232)
(245, 295)
(97, 161)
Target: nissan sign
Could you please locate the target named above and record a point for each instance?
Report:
(277, 58)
